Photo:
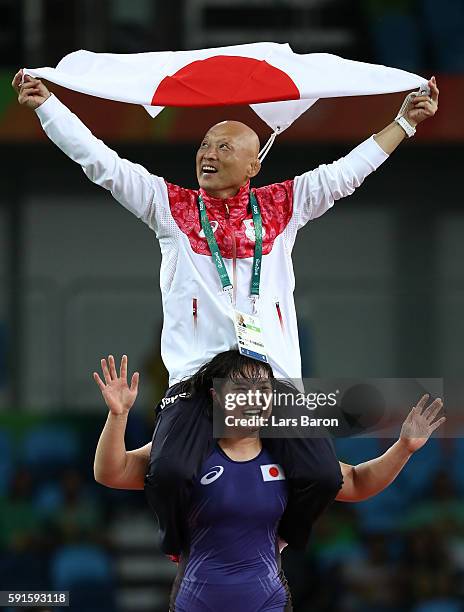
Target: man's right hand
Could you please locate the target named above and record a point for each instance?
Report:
(118, 396)
(32, 92)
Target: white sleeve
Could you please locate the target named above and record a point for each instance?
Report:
(130, 184)
(316, 191)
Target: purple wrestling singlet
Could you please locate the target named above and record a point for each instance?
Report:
(234, 563)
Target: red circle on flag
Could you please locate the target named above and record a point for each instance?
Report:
(225, 80)
(274, 472)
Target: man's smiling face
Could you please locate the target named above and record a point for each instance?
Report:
(227, 158)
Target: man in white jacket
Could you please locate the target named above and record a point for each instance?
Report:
(201, 292)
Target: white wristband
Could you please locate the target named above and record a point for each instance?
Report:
(407, 127)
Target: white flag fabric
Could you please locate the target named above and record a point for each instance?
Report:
(279, 84)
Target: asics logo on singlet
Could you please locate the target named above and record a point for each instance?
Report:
(214, 226)
(170, 400)
(215, 472)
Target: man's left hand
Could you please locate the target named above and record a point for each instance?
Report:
(422, 107)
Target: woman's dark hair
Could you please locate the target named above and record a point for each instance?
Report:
(231, 365)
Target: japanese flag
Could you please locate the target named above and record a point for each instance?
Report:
(279, 84)
(272, 471)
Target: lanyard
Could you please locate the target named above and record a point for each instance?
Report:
(216, 253)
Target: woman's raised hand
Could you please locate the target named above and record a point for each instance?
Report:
(118, 395)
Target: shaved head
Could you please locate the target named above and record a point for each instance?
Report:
(227, 158)
(248, 137)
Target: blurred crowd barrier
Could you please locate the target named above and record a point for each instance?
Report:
(400, 551)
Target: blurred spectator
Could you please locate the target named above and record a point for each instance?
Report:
(74, 513)
(49, 447)
(23, 560)
(20, 525)
(335, 542)
(426, 568)
(336, 537)
(442, 509)
(372, 580)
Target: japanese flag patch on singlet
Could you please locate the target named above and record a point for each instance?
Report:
(272, 471)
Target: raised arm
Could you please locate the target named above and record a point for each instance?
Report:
(114, 466)
(130, 184)
(419, 109)
(367, 479)
(317, 190)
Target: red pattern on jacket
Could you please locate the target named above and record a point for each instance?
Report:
(276, 205)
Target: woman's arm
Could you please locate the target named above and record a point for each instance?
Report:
(114, 466)
(367, 479)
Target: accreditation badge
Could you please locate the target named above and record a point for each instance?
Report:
(249, 335)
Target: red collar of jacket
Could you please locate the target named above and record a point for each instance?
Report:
(238, 203)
